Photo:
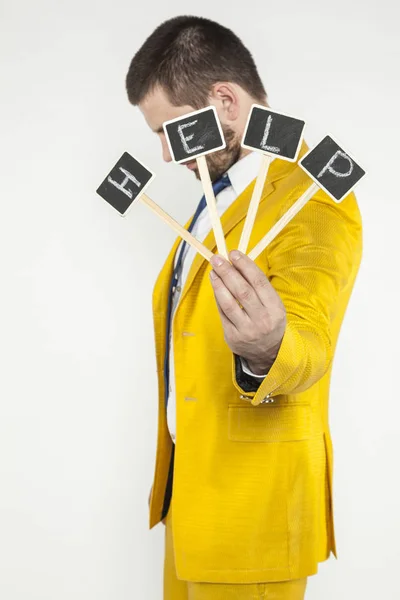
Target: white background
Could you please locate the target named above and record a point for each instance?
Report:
(78, 381)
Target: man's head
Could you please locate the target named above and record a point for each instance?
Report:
(186, 64)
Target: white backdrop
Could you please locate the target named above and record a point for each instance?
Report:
(78, 386)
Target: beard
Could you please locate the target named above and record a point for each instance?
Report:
(219, 162)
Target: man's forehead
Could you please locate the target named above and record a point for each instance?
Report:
(157, 108)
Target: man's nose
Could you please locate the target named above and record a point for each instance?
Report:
(165, 151)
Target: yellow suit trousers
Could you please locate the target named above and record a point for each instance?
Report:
(178, 589)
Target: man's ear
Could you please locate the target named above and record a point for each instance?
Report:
(225, 97)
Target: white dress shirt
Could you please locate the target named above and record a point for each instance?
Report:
(241, 174)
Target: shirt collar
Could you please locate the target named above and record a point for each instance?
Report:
(244, 171)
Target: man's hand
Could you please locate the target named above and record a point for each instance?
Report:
(255, 331)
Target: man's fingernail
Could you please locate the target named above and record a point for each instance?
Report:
(235, 255)
(216, 261)
(213, 275)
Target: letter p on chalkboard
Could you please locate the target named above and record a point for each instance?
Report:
(332, 168)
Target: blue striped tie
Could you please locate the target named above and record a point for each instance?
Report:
(218, 186)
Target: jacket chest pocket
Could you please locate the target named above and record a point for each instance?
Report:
(271, 423)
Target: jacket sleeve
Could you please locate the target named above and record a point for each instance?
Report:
(247, 380)
(309, 263)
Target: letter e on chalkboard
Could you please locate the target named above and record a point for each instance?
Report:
(126, 181)
(273, 133)
(194, 134)
(332, 168)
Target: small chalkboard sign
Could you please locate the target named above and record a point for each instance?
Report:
(126, 181)
(195, 134)
(273, 133)
(332, 168)
(191, 137)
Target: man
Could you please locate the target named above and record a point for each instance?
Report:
(243, 474)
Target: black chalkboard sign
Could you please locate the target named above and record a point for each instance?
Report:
(332, 168)
(195, 134)
(273, 133)
(126, 181)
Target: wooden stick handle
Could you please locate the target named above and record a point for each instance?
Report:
(254, 202)
(181, 231)
(212, 206)
(284, 220)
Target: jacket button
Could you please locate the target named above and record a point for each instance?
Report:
(267, 399)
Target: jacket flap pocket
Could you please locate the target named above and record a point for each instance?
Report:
(279, 423)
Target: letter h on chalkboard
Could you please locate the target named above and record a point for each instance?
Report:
(126, 182)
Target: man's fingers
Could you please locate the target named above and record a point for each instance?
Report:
(237, 284)
(254, 276)
(227, 303)
(229, 328)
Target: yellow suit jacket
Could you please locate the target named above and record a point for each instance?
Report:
(252, 485)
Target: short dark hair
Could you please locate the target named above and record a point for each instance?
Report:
(186, 56)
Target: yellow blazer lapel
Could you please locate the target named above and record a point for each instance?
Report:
(160, 304)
